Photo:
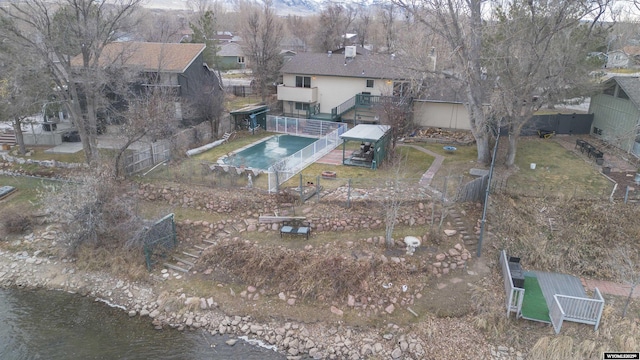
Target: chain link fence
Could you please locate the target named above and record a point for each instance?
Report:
(159, 239)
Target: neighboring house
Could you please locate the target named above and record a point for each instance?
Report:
(341, 87)
(627, 57)
(616, 114)
(287, 54)
(176, 66)
(224, 37)
(231, 56)
(293, 43)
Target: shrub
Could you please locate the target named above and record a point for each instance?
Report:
(16, 221)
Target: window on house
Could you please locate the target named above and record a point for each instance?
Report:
(303, 81)
(369, 83)
(302, 106)
(622, 94)
(240, 59)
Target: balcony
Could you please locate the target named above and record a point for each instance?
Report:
(297, 94)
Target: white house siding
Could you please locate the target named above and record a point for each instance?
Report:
(334, 90)
(617, 118)
(441, 114)
(618, 59)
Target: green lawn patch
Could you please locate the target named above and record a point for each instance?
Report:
(534, 306)
(558, 172)
(27, 189)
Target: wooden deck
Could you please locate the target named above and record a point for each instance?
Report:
(558, 284)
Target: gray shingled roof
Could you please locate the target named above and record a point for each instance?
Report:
(373, 66)
(631, 86)
(230, 49)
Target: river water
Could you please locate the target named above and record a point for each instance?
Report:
(54, 325)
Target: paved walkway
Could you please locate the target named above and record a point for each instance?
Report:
(610, 288)
(426, 178)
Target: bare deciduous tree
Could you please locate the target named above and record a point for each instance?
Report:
(93, 211)
(21, 90)
(388, 15)
(300, 27)
(56, 33)
(393, 201)
(460, 24)
(363, 24)
(333, 23)
(150, 116)
(395, 111)
(160, 27)
(537, 54)
(262, 31)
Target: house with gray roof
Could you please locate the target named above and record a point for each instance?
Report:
(616, 113)
(231, 56)
(341, 86)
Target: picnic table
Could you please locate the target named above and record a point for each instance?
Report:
(591, 151)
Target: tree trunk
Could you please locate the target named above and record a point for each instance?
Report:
(482, 146)
(17, 127)
(511, 152)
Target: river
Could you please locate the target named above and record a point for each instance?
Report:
(52, 325)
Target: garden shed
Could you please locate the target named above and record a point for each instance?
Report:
(373, 143)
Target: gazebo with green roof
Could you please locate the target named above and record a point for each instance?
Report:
(374, 142)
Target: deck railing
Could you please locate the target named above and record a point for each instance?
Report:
(576, 309)
(514, 295)
(343, 108)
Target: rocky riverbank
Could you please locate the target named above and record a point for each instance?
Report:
(177, 309)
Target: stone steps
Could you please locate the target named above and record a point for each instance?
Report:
(190, 255)
(469, 240)
(184, 261)
(175, 267)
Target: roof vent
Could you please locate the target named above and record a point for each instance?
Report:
(349, 51)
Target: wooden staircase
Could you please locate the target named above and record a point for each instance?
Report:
(8, 137)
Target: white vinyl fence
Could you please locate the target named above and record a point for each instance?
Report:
(514, 295)
(576, 309)
(286, 168)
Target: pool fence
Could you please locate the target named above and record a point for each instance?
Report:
(329, 138)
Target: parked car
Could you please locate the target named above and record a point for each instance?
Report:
(71, 136)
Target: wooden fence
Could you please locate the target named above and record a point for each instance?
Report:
(138, 160)
(474, 190)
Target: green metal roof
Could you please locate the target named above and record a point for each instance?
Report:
(366, 132)
(251, 109)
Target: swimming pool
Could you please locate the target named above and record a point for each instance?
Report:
(266, 153)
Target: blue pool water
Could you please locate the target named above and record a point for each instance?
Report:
(266, 153)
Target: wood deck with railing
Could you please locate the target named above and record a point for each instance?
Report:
(564, 295)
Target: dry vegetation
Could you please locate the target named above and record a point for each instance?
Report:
(324, 274)
(584, 238)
